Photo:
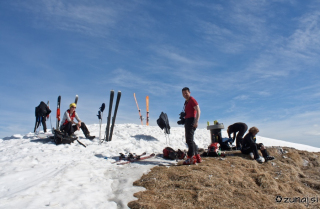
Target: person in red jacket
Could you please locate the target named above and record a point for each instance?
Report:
(70, 126)
(192, 116)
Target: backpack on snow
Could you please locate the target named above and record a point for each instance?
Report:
(169, 153)
(62, 138)
(163, 122)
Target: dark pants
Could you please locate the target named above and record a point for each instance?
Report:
(41, 119)
(70, 129)
(189, 132)
(240, 135)
(254, 149)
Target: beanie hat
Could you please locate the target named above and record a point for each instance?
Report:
(72, 105)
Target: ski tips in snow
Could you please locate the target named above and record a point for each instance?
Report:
(109, 130)
(147, 108)
(140, 116)
(115, 114)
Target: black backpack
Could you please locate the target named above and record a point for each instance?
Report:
(163, 122)
(62, 138)
(224, 145)
(169, 153)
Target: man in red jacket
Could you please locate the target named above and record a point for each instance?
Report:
(192, 115)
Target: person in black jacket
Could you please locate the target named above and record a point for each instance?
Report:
(239, 127)
(41, 112)
(249, 146)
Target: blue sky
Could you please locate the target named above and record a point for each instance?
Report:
(251, 61)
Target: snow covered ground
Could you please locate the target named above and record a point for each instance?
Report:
(35, 173)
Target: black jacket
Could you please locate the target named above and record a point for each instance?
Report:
(248, 140)
(234, 128)
(42, 110)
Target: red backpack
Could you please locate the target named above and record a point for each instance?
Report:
(213, 149)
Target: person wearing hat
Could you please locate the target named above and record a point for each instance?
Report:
(70, 126)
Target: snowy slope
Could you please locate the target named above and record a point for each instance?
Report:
(36, 173)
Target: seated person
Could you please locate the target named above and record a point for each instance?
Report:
(241, 128)
(249, 146)
(69, 126)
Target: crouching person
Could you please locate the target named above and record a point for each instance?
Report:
(250, 146)
(241, 128)
(69, 126)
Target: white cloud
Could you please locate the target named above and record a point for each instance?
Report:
(287, 55)
(306, 38)
(78, 16)
(180, 57)
(130, 80)
(241, 97)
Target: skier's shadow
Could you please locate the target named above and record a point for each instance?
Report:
(44, 141)
(14, 138)
(145, 137)
(8, 138)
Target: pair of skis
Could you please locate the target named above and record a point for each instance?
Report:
(132, 158)
(58, 110)
(147, 107)
(109, 130)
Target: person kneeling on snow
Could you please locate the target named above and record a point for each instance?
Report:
(249, 146)
(69, 126)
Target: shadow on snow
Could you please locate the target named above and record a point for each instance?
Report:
(145, 137)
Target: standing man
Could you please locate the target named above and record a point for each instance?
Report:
(192, 115)
(70, 126)
(241, 128)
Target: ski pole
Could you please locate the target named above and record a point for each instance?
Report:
(50, 123)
